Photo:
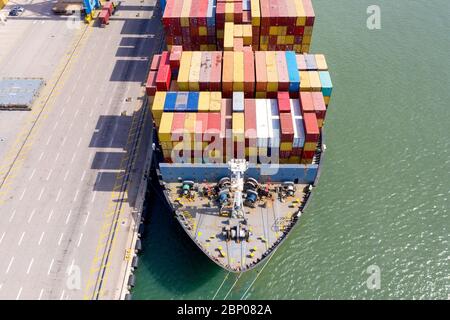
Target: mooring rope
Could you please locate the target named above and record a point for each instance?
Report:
(220, 287)
(229, 291)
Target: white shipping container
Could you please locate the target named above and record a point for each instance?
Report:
(276, 134)
(262, 127)
(299, 132)
(295, 108)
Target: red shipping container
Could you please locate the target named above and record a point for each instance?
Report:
(307, 155)
(284, 104)
(175, 57)
(201, 124)
(306, 102)
(249, 74)
(163, 78)
(150, 86)
(178, 126)
(215, 77)
(250, 122)
(287, 127)
(312, 131)
(165, 58)
(319, 105)
(227, 73)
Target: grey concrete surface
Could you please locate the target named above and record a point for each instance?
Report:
(60, 201)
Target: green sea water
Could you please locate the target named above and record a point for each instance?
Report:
(383, 196)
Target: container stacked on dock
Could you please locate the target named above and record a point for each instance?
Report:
(239, 102)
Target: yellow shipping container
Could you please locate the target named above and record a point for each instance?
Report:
(272, 74)
(229, 11)
(286, 146)
(165, 128)
(308, 31)
(321, 62)
(204, 101)
(301, 15)
(238, 71)
(3, 3)
(305, 85)
(281, 39)
(189, 124)
(310, 146)
(327, 100)
(167, 153)
(306, 40)
(320, 123)
(194, 72)
(247, 34)
(215, 101)
(273, 31)
(305, 48)
(256, 13)
(290, 39)
(238, 32)
(185, 13)
(158, 104)
(204, 47)
(306, 161)
(294, 160)
(261, 95)
(228, 36)
(282, 31)
(166, 145)
(314, 80)
(202, 31)
(183, 73)
(238, 127)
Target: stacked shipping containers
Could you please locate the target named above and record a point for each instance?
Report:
(240, 102)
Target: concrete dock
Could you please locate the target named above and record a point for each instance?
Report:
(72, 169)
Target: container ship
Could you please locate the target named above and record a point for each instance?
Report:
(238, 106)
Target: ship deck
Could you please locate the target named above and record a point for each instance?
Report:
(268, 221)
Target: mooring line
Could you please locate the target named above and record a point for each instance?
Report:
(229, 291)
(259, 273)
(220, 287)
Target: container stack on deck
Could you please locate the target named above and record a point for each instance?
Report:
(239, 102)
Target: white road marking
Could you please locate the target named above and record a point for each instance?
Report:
(79, 240)
(85, 126)
(68, 216)
(60, 239)
(42, 192)
(62, 295)
(23, 194)
(68, 99)
(48, 140)
(78, 110)
(57, 157)
(18, 294)
(29, 266)
(56, 124)
(49, 174)
(62, 112)
(59, 194)
(50, 267)
(93, 196)
(40, 157)
(71, 125)
(3, 235)
(66, 175)
(50, 216)
(9, 265)
(40, 294)
(79, 142)
(64, 141)
(21, 238)
(32, 174)
(31, 215)
(84, 174)
(40, 239)
(76, 195)
(91, 113)
(73, 157)
(87, 217)
(12, 215)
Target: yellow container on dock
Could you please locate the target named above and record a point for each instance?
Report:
(204, 101)
(310, 146)
(228, 36)
(247, 34)
(301, 15)
(272, 75)
(185, 13)
(238, 71)
(215, 101)
(321, 62)
(286, 146)
(238, 33)
(294, 160)
(314, 81)
(194, 72)
(183, 73)
(229, 11)
(256, 13)
(305, 84)
(158, 106)
(189, 125)
(238, 127)
(165, 128)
